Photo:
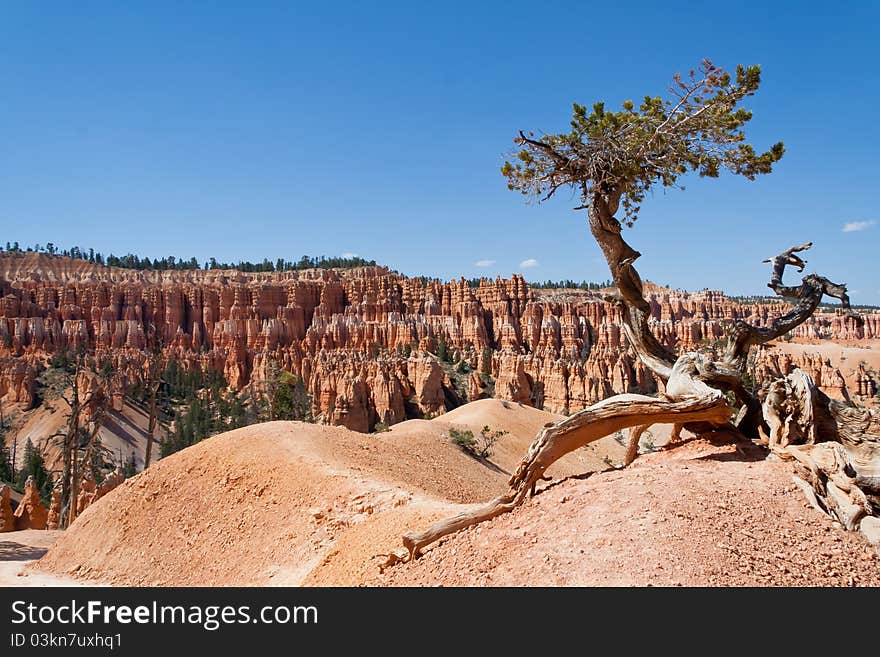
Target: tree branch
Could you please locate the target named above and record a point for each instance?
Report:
(687, 400)
(547, 148)
(779, 263)
(809, 294)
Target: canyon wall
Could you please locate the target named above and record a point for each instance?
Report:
(361, 339)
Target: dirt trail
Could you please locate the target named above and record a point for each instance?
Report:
(18, 549)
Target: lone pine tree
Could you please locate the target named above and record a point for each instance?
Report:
(612, 159)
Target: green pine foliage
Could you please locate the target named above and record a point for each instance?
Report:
(129, 468)
(7, 472)
(99, 466)
(480, 446)
(292, 401)
(132, 261)
(569, 284)
(34, 466)
(614, 158)
(443, 350)
(198, 405)
(565, 284)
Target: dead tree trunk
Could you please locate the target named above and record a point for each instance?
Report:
(70, 438)
(835, 447)
(156, 368)
(151, 424)
(687, 400)
(743, 336)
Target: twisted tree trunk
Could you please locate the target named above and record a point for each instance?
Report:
(848, 469)
(620, 257)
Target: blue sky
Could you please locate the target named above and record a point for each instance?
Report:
(244, 130)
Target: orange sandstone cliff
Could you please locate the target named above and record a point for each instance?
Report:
(360, 338)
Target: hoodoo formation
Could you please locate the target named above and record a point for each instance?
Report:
(363, 340)
(31, 512)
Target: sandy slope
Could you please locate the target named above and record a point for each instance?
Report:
(846, 357)
(268, 504)
(288, 503)
(123, 433)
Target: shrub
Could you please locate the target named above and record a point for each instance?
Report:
(381, 427)
(464, 438)
(291, 399)
(443, 350)
(480, 446)
(129, 468)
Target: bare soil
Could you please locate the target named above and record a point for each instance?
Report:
(697, 515)
(20, 548)
(287, 503)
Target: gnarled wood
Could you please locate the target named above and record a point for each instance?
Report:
(726, 374)
(808, 295)
(613, 161)
(835, 446)
(844, 476)
(620, 257)
(632, 445)
(687, 400)
(694, 384)
(779, 262)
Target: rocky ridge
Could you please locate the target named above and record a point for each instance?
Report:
(363, 339)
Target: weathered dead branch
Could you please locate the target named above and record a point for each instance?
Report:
(835, 447)
(687, 400)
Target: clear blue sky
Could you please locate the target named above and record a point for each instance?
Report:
(251, 129)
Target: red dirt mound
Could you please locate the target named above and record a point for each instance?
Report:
(267, 504)
(287, 503)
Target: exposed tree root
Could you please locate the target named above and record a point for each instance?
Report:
(687, 400)
(632, 445)
(835, 447)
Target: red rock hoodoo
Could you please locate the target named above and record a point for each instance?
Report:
(31, 512)
(359, 337)
(7, 519)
